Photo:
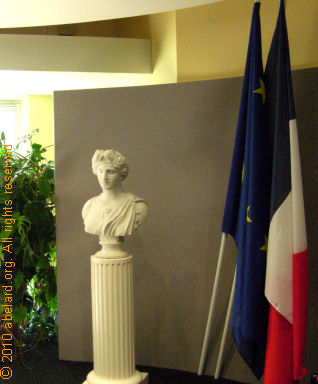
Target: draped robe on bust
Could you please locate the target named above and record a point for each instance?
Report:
(118, 219)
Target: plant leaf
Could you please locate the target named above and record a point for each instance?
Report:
(3, 197)
(21, 222)
(43, 264)
(19, 314)
(44, 187)
(36, 147)
(48, 171)
(34, 211)
(18, 280)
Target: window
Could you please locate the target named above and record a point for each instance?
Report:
(13, 120)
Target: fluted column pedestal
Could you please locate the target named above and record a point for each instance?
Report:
(113, 321)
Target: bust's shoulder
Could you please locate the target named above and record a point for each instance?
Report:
(140, 202)
(141, 209)
(89, 203)
(141, 205)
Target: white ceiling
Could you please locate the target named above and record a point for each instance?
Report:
(26, 13)
(17, 83)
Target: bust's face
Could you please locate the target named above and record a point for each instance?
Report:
(108, 177)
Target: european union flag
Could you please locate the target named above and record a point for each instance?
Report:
(246, 215)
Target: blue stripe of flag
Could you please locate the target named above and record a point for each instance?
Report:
(280, 109)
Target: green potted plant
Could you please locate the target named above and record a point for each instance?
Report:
(32, 253)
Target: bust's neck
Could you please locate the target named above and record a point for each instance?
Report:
(112, 194)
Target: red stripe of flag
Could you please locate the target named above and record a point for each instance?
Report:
(300, 298)
(286, 342)
(279, 352)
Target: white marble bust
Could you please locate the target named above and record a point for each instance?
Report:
(114, 213)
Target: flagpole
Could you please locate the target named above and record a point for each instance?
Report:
(212, 305)
(225, 331)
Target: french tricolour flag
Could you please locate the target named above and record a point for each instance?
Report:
(286, 272)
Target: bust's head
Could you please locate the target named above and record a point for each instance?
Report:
(113, 213)
(113, 158)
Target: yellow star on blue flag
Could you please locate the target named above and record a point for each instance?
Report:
(264, 247)
(261, 90)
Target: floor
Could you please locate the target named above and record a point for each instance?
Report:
(42, 366)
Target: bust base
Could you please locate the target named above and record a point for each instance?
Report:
(111, 247)
(137, 378)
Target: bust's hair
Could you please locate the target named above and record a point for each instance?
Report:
(116, 159)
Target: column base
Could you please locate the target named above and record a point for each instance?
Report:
(136, 378)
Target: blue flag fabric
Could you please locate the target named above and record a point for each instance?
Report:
(246, 215)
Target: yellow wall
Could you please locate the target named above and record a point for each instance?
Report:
(41, 117)
(212, 39)
(164, 45)
(160, 28)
